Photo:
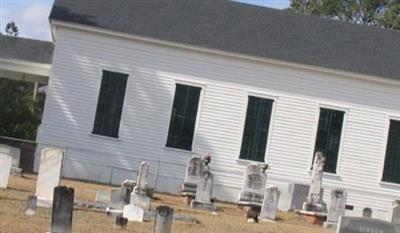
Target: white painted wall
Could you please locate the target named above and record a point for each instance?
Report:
(74, 86)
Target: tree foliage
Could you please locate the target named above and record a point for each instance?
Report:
(20, 114)
(12, 29)
(380, 13)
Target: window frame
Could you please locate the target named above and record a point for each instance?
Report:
(192, 83)
(97, 95)
(336, 107)
(389, 117)
(262, 95)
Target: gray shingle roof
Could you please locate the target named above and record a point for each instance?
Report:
(28, 50)
(245, 29)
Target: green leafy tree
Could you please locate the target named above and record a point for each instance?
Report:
(12, 29)
(20, 114)
(380, 13)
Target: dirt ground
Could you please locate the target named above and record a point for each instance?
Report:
(230, 219)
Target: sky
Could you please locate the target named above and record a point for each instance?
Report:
(31, 16)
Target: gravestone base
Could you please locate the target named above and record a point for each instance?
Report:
(113, 212)
(330, 225)
(188, 199)
(313, 218)
(133, 213)
(315, 207)
(44, 202)
(203, 205)
(140, 200)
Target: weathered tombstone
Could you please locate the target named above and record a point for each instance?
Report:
(204, 191)
(133, 213)
(193, 169)
(61, 216)
(364, 225)
(5, 169)
(103, 196)
(121, 222)
(138, 196)
(14, 152)
(163, 219)
(367, 212)
(49, 175)
(270, 204)
(253, 187)
(395, 213)
(119, 197)
(337, 207)
(298, 195)
(314, 199)
(31, 205)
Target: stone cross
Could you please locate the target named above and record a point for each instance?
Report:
(5, 169)
(63, 204)
(337, 207)
(269, 206)
(163, 219)
(253, 187)
(31, 205)
(49, 175)
(314, 198)
(395, 218)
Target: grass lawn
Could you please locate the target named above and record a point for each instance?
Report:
(230, 219)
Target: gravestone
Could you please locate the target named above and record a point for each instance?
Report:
(395, 218)
(133, 213)
(193, 169)
(103, 196)
(314, 201)
(5, 169)
(14, 152)
(61, 216)
(253, 187)
(138, 196)
(204, 191)
(119, 197)
(163, 219)
(31, 205)
(49, 175)
(121, 222)
(364, 225)
(269, 206)
(337, 208)
(298, 195)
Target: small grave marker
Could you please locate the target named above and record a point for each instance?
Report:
(63, 203)
(163, 219)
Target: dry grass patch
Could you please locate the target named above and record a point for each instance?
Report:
(229, 220)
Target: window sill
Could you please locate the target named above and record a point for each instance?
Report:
(179, 150)
(247, 162)
(104, 137)
(387, 184)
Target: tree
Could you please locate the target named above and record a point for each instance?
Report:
(380, 13)
(12, 29)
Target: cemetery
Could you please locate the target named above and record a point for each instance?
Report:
(47, 203)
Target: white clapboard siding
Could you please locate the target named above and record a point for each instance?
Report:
(71, 103)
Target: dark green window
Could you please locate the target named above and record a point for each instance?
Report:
(109, 104)
(183, 117)
(391, 171)
(255, 134)
(329, 134)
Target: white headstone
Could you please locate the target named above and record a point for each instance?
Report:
(49, 175)
(192, 177)
(314, 198)
(269, 206)
(133, 213)
(204, 192)
(14, 152)
(253, 185)
(337, 207)
(5, 168)
(142, 177)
